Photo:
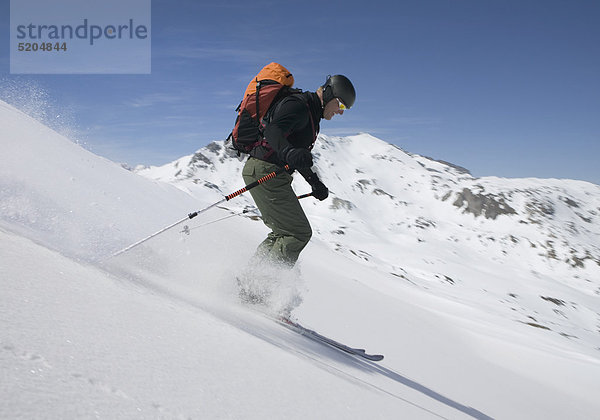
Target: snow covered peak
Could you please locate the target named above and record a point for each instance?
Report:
(434, 225)
(391, 192)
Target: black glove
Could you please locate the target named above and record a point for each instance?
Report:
(297, 158)
(319, 190)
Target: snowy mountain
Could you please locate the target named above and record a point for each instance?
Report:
(400, 264)
(526, 249)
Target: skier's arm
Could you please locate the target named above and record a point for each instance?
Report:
(307, 174)
(319, 190)
(289, 116)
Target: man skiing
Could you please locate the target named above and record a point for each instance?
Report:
(291, 129)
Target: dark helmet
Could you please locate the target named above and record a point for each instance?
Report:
(340, 87)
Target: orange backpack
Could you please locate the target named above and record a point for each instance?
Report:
(273, 83)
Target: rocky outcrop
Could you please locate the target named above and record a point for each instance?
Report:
(488, 205)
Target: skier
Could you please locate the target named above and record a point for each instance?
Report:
(290, 133)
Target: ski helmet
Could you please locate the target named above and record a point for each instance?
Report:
(340, 87)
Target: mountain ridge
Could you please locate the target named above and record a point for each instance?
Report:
(428, 222)
(487, 197)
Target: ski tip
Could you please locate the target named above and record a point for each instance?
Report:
(363, 353)
(286, 321)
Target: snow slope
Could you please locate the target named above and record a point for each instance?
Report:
(157, 332)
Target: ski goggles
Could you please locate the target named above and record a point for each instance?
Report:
(341, 105)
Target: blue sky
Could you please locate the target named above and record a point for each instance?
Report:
(506, 88)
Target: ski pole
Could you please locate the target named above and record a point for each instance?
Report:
(196, 213)
(187, 230)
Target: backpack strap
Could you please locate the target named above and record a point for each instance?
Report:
(312, 123)
(258, 84)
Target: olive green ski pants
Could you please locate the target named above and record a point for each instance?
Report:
(281, 212)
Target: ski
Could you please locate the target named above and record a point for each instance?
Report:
(294, 326)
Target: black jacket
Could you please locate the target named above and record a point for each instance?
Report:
(293, 122)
